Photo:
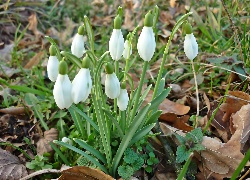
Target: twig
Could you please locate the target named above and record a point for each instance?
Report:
(233, 27)
(197, 95)
(43, 171)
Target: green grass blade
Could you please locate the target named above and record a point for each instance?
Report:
(27, 90)
(64, 159)
(77, 121)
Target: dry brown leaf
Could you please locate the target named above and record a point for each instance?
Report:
(6, 53)
(168, 106)
(33, 25)
(82, 172)
(15, 110)
(43, 145)
(7, 71)
(238, 99)
(11, 167)
(177, 122)
(35, 60)
(172, 3)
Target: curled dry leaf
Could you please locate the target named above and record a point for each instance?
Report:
(33, 25)
(43, 145)
(15, 110)
(11, 167)
(82, 172)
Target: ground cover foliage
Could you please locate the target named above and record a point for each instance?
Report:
(208, 138)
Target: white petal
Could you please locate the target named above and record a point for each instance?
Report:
(146, 44)
(52, 68)
(112, 86)
(66, 140)
(62, 91)
(122, 100)
(190, 46)
(77, 47)
(125, 53)
(81, 86)
(116, 44)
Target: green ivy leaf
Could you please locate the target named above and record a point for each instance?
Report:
(198, 147)
(181, 139)
(125, 172)
(182, 154)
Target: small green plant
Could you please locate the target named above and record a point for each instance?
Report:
(40, 162)
(190, 143)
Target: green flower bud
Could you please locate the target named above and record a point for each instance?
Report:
(63, 67)
(86, 62)
(81, 30)
(109, 68)
(188, 28)
(123, 85)
(148, 21)
(52, 50)
(117, 22)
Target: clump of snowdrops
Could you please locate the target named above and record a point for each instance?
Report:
(126, 118)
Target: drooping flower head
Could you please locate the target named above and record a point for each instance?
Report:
(123, 99)
(62, 87)
(53, 63)
(146, 42)
(82, 83)
(190, 44)
(77, 47)
(112, 84)
(116, 42)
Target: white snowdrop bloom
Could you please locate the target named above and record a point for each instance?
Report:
(122, 100)
(52, 68)
(146, 43)
(112, 86)
(77, 47)
(116, 44)
(190, 46)
(125, 53)
(62, 91)
(81, 86)
(67, 140)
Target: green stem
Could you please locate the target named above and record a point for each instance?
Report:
(145, 66)
(241, 166)
(197, 95)
(117, 74)
(185, 168)
(11, 145)
(123, 121)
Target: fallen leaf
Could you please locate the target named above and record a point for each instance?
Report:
(43, 145)
(177, 122)
(6, 53)
(15, 110)
(11, 167)
(7, 71)
(35, 60)
(82, 172)
(33, 25)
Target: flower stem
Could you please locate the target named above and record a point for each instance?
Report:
(185, 167)
(145, 66)
(197, 95)
(117, 74)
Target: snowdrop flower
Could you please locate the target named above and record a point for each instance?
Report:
(67, 140)
(62, 87)
(125, 53)
(82, 83)
(116, 42)
(77, 47)
(53, 63)
(190, 44)
(146, 42)
(112, 84)
(122, 100)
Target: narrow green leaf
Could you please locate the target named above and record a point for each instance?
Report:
(77, 121)
(141, 133)
(140, 118)
(158, 100)
(90, 33)
(161, 86)
(90, 158)
(114, 121)
(154, 117)
(75, 60)
(89, 148)
(64, 159)
(27, 90)
(85, 117)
